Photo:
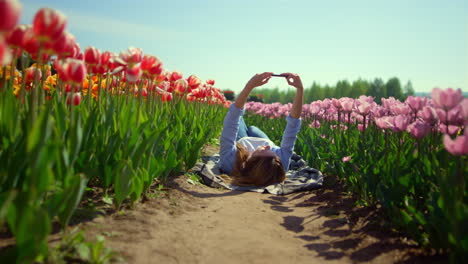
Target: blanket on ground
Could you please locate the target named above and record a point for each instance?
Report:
(299, 177)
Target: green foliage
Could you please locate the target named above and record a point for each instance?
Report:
(74, 248)
(51, 152)
(377, 88)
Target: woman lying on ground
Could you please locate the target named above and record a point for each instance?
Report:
(247, 154)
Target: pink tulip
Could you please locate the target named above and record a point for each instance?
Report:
(457, 147)
(428, 114)
(447, 99)
(10, 11)
(384, 122)
(336, 103)
(368, 99)
(450, 129)
(364, 108)
(5, 54)
(400, 123)
(315, 124)
(416, 103)
(400, 109)
(49, 24)
(361, 127)
(347, 104)
(464, 108)
(326, 103)
(315, 109)
(92, 56)
(346, 159)
(419, 129)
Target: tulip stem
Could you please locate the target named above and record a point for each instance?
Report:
(90, 88)
(3, 79)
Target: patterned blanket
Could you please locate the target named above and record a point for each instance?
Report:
(299, 177)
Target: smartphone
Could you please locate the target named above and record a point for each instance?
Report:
(279, 75)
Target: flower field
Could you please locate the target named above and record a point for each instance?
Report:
(73, 120)
(409, 157)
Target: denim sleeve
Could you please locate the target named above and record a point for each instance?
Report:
(289, 137)
(228, 138)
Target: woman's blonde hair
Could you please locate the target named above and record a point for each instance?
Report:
(257, 171)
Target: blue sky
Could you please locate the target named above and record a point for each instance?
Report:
(424, 41)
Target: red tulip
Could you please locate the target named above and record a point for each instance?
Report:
(49, 24)
(10, 11)
(210, 82)
(74, 98)
(16, 36)
(30, 42)
(174, 76)
(180, 86)
(75, 70)
(92, 56)
(457, 147)
(447, 99)
(133, 74)
(132, 55)
(5, 54)
(151, 65)
(193, 82)
(166, 97)
(33, 74)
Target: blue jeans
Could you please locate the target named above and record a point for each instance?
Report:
(251, 131)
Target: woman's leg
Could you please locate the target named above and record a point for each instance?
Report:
(242, 129)
(254, 131)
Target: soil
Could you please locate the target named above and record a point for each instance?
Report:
(193, 223)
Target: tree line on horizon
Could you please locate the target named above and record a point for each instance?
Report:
(376, 88)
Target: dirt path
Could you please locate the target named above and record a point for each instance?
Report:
(197, 224)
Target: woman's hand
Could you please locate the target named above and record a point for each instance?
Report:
(258, 79)
(294, 80)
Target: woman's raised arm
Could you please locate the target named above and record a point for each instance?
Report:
(258, 79)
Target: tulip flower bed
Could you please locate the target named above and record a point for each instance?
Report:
(409, 157)
(74, 120)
